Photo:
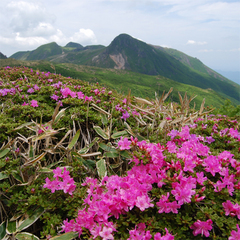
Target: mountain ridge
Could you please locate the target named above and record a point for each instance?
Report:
(128, 53)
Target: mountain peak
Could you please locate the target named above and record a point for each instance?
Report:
(74, 45)
(2, 56)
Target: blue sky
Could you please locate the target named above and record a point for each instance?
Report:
(206, 29)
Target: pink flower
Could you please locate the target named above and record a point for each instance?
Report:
(65, 92)
(212, 165)
(231, 209)
(89, 99)
(200, 227)
(135, 113)
(124, 100)
(24, 104)
(106, 233)
(34, 103)
(125, 115)
(143, 202)
(30, 90)
(124, 144)
(67, 184)
(235, 235)
(80, 95)
(96, 91)
(168, 236)
(55, 97)
(166, 206)
(36, 88)
(201, 178)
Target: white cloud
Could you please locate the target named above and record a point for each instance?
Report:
(192, 42)
(26, 16)
(84, 36)
(30, 24)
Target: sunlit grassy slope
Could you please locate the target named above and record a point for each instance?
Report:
(141, 85)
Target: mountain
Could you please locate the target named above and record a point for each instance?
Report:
(2, 56)
(128, 53)
(74, 45)
(42, 52)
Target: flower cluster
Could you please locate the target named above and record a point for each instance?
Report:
(62, 181)
(140, 233)
(186, 176)
(61, 89)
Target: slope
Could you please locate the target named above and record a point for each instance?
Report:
(141, 85)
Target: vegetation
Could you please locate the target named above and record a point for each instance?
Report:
(79, 160)
(141, 85)
(128, 53)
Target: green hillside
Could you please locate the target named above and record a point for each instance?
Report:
(141, 85)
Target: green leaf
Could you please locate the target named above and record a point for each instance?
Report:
(101, 133)
(3, 230)
(90, 164)
(30, 220)
(125, 154)
(45, 170)
(83, 150)
(24, 125)
(3, 176)
(35, 159)
(105, 147)
(31, 152)
(104, 119)
(101, 168)
(111, 154)
(54, 164)
(11, 227)
(120, 134)
(65, 236)
(17, 176)
(74, 140)
(140, 138)
(4, 152)
(59, 115)
(87, 163)
(86, 149)
(26, 236)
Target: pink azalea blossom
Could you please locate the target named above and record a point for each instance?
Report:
(30, 90)
(55, 97)
(34, 103)
(25, 104)
(89, 99)
(202, 228)
(124, 144)
(201, 178)
(143, 202)
(106, 233)
(235, 235)
(168, 236)
(124, 101)
(231, 209)
(125, 115)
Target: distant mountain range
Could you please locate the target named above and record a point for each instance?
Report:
(128, 53)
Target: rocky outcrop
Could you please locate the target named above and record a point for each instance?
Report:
(119, 61)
